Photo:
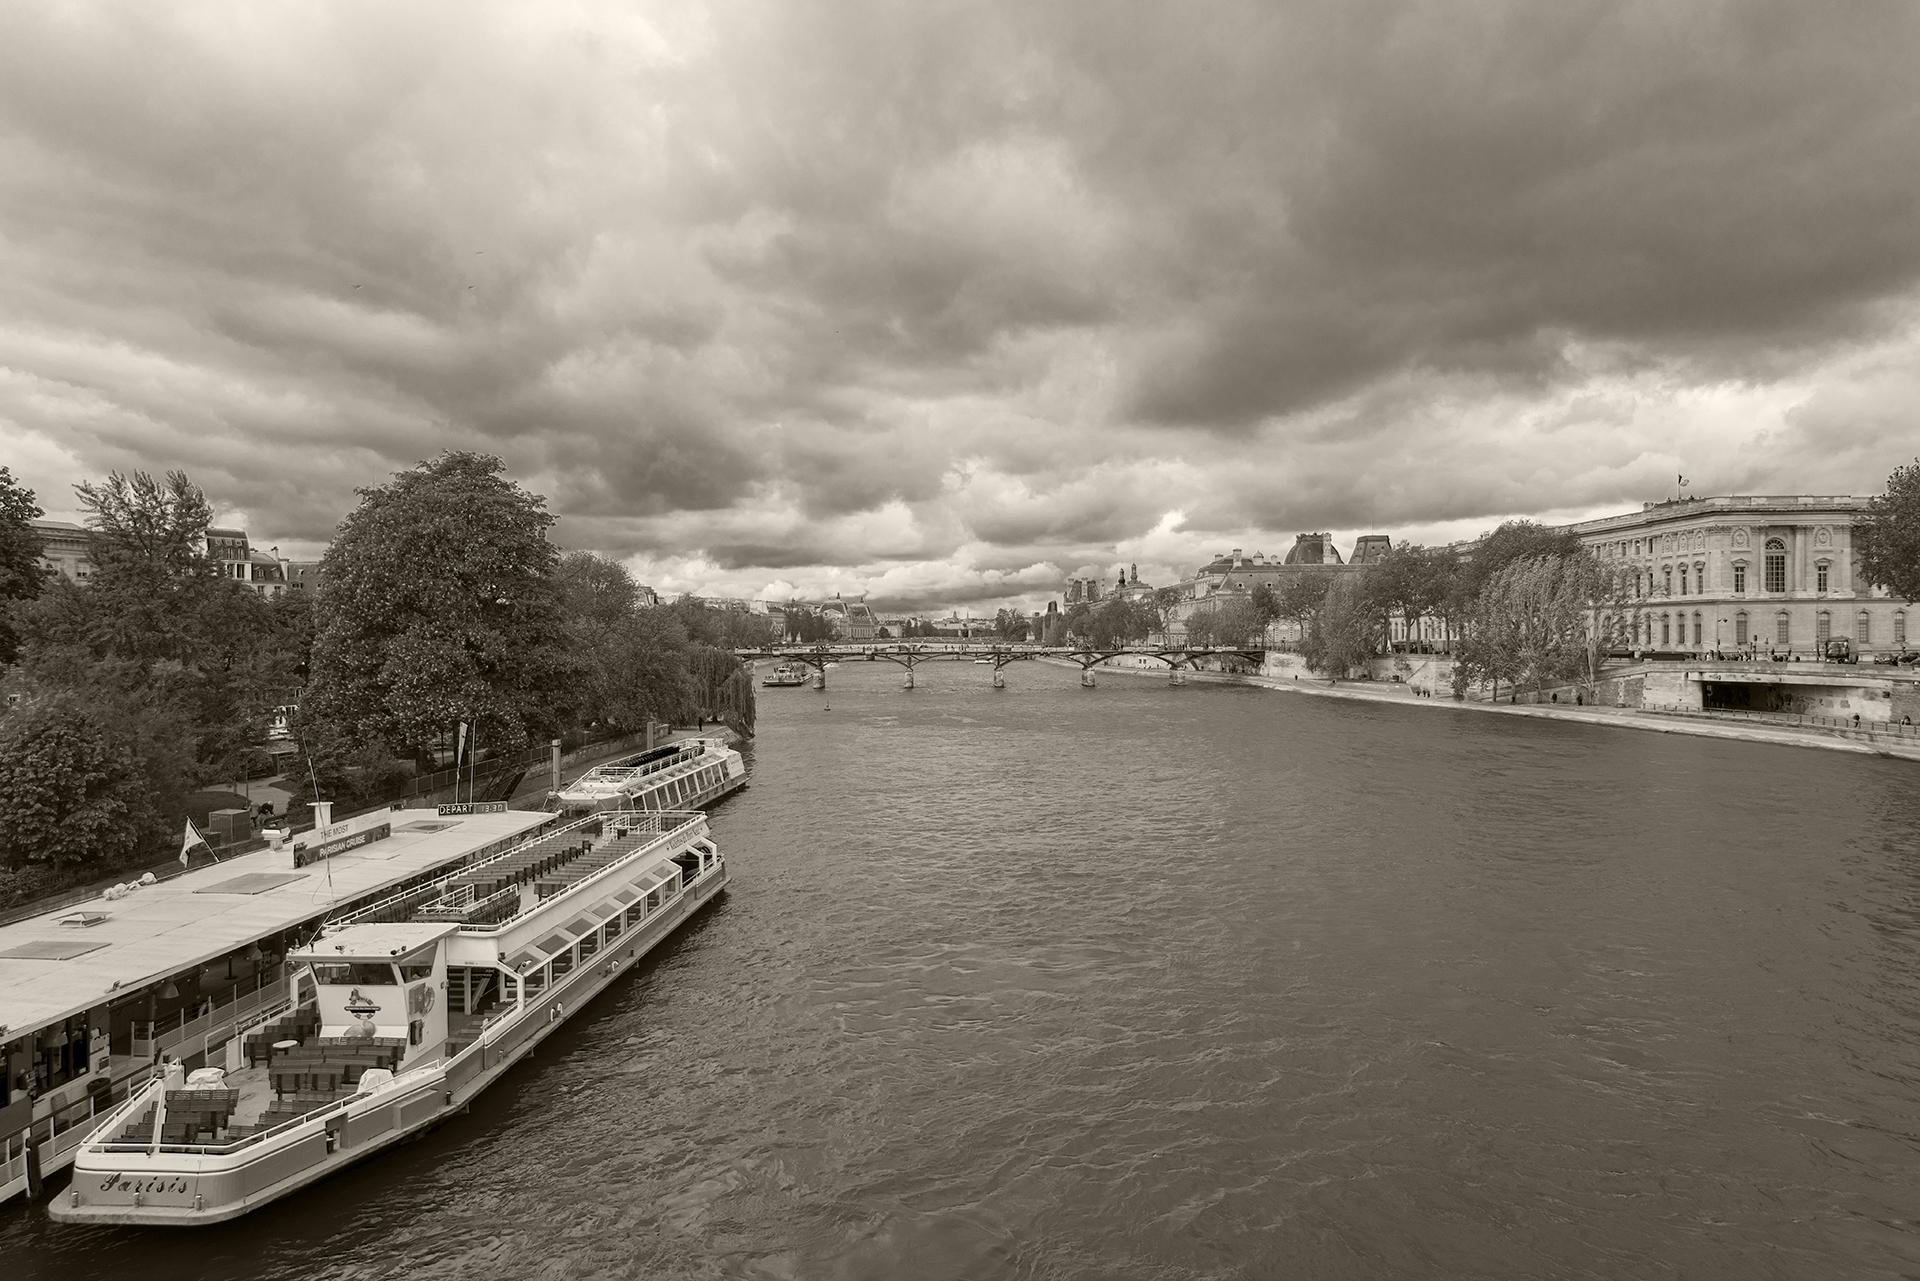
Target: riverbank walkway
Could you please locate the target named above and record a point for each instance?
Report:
(1699, 724)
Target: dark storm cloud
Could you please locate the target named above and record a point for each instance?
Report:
(1694, 179)
(784, 287)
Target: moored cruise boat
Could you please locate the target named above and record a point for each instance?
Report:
(688, 774)
(786, 676)
(402, 1014)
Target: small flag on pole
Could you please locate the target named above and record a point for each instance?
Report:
(191, 839)
(1683, 482)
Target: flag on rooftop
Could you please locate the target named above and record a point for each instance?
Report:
(191, 839)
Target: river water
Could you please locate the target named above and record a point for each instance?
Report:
(1144, 982)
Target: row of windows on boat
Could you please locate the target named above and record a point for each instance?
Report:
(562, 963)
(680, 790)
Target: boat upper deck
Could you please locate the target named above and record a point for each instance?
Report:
(501, 889)
(73, 959)
(616, 776)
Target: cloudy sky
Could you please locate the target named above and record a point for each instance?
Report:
(944, 302)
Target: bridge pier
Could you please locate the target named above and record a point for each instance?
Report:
(1086, 678)
(908, 682)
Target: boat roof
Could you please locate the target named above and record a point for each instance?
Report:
(79, 956)
(377, 942)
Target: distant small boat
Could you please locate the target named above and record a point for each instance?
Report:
(983, 662)
(786, 675)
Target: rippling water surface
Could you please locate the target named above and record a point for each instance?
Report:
(1197, 983)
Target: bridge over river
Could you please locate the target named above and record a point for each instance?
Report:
(910, 654)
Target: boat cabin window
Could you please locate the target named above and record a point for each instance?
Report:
(413, 972)
(355, 973)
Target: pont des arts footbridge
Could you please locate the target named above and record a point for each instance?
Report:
(1205, 982)
(911, 655)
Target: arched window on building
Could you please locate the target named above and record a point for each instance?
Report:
(1666, 629)
(1900, 628)
(1782, 628)
(1820, 575)
(1696, 629)
(1683, 580)
(1739, 576)
(1822, 630)
(1776, 565)
(1636, 584)
(1666, 572)
(1699, 578)
(1863, 628)
(1740, 628)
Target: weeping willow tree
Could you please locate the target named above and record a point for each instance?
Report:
(724, 688)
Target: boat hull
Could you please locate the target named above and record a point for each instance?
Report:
(169, 1189)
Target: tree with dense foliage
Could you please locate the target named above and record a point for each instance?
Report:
(649, 676)
(723, 688)
(1343, 631)
(1540, 621)
(70, 791)
(441, 604)
(1010, 625)
(725, 628)
(1116, 621)
(21, 573)
(155, 642)
(595, 591)
(1400, 585)
(152, 578)
(1227, 618)
(1300, 598)
(1512, 541)
(807, 626)
(1889, 537)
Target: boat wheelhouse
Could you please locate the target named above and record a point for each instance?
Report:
(399, 1015)
(684, 775)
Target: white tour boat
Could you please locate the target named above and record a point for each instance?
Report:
(401, 1014)
(786, 676)
(688, 774)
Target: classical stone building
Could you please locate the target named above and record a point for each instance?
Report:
(63, 549)
(1777, 572)
(851, 620)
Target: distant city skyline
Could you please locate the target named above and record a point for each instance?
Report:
(986, 299)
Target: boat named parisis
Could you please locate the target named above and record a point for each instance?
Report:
(401, 1013)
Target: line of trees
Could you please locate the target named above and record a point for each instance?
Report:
(149, 680)
(443, 602)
